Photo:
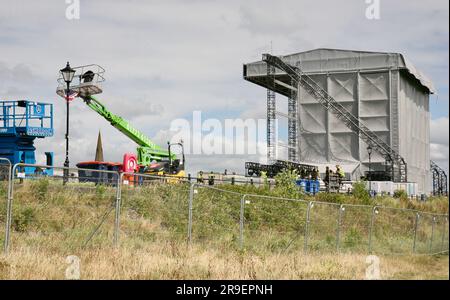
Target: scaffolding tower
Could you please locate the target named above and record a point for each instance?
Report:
(271, 119)
(292, 125)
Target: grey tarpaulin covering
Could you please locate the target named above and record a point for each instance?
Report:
(388, 94)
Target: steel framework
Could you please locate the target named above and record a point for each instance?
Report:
(271, 107)
(292, 126)
(395, 164)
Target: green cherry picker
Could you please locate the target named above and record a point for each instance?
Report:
(151, 158)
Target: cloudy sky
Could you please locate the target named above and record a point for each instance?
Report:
(166, 59)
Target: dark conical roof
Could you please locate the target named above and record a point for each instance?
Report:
(99, 150)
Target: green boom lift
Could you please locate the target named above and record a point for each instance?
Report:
(151, 158)
(147, 151)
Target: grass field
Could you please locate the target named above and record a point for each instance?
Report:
(51, 222)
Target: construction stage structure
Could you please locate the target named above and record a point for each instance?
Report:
(21, 123)
(342, 101)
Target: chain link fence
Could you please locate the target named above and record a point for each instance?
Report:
(154, 209)
(277, 224)
(80, 208)
(63, 213)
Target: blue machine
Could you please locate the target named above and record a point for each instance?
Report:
(21, 122)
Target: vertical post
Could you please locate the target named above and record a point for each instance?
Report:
(310, 205)
(117, 212)
(372, 221)
(416, 225)
(241, 222)
(338, 231)
(8, 210)
(433, 223)
(191, 200)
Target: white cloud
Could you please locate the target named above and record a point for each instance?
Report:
(439, 148)
(165, 59)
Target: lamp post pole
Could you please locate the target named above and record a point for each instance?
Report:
(66, 162)
(67, 74)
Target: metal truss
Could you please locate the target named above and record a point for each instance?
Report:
(271, 107)
(292, 125)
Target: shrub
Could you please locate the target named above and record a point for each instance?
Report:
(331, 197)
(361, 193)
(401, 194)
(40, 187)
(285, 184)
(24, 219)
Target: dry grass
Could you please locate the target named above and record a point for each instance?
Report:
(176, 261)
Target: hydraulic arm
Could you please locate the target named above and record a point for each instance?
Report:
(147, 151)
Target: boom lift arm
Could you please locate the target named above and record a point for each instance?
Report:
(147, 150)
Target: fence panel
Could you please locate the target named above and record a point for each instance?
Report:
(61, 214)
(215, 216)
(441, 236)
(323, 226)
(154, 210)
(355, 228)
(394, 230)
(274, 224)
(425, 228)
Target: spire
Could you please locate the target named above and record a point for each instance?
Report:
(99, 150)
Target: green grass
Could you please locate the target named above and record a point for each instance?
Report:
(43, 209)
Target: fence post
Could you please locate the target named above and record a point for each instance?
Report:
(338, 231)
(432, 234)
(241, 222)
(416, 225)
(118, 206)
(8, 204)
(9, 209)
(310, 205)
(191, 200)
(372, 221)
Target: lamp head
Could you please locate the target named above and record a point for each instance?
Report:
(67, 73)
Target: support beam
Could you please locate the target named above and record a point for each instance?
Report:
(271, 107)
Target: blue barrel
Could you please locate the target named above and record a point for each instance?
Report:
(315, 186)
(302, 184)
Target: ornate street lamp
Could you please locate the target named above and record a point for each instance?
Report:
(67, 75)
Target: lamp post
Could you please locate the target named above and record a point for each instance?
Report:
(369, 151)
(67, 74)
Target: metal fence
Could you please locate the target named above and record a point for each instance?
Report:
(95, 209)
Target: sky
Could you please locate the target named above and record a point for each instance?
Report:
(166, 59)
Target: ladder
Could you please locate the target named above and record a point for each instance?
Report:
(395, 164)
